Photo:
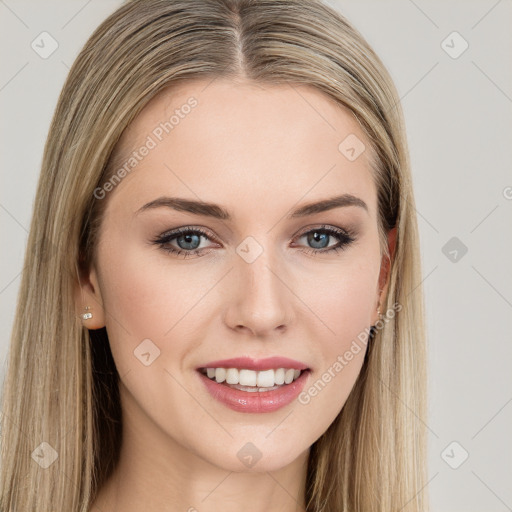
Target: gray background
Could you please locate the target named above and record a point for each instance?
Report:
(458, 115)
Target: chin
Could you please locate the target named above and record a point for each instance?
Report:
(248, 458)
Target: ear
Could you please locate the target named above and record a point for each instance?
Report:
(385, 271)
(88, 294)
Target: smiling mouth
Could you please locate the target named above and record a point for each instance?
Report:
(252, 380)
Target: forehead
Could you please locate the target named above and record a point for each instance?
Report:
(215, 139)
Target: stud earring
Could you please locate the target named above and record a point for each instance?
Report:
(86, 316)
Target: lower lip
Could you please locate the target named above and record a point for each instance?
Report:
(257, 401)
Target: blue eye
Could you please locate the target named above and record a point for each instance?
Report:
(188, 240)
(319, 238)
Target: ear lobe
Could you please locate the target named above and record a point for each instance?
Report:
(88, 294)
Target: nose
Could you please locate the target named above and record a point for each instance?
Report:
(260, 297)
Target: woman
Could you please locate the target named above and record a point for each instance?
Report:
(221, 301)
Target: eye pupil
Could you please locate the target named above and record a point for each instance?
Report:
(316, 236)
(188, 238)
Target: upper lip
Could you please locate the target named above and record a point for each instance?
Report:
(256, 364)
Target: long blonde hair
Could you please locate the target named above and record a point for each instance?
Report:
(61, 386)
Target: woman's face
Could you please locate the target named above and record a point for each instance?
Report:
(249, 284)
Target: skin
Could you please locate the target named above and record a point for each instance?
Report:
(258, 151)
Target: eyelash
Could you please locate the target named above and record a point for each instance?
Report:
(346, 237)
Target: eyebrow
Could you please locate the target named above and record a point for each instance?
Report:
(218, 212)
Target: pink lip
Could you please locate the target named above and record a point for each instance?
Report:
(256, 364)
(258, 401)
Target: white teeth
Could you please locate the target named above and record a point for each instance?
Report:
(252, 389)
(288, 376)
(279, 376)
(247, 378)
(232, 376)
(220, 374)
(266, 379)
(258, 379)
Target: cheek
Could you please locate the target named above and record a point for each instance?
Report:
(349, 305)
(138, 302)
(342, 299)
(147, 296)
(344, 304)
